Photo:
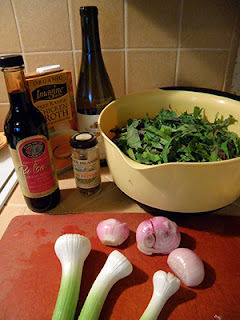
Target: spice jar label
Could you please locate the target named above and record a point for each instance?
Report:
(86, 173)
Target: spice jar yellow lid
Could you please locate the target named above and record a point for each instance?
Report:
(83, 140)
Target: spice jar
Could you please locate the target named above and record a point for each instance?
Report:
(86, 162)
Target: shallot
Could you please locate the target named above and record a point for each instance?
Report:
(187, 265)
(112, 232)
(157, 235)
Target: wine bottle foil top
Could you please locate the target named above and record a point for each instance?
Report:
(88, 10)
(11, 60)
(83, 140)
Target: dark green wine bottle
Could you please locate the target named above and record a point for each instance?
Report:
(94, 89)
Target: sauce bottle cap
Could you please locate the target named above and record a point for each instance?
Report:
(11, 60)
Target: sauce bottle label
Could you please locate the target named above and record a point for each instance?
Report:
(90, 123)
(87, 173)
(34, 166)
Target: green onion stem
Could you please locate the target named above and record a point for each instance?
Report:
(116, 267)
(72, 250)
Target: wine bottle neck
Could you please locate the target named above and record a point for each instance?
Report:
(17, 88)
(90, 33)
(15, 79)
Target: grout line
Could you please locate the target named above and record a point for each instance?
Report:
(46, 52)
(165, 48)
(127, 49)
(19, 34)
(205, 49)
(179, 42)
(125, 46)
(226, 69)
(230, 48)
(235, 87)
(70, 23)
(71, 33)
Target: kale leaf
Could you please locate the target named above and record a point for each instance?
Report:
(168, 137)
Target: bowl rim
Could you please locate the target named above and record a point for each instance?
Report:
(215, 92)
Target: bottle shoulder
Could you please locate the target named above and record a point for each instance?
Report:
(94, 93)
(94, 88)
(92, 106)
(20, 126)
(30, 118)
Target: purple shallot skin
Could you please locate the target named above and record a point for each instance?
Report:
(187, 265)
(158, 235)
(112, 232)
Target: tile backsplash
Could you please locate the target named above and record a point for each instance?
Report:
(145, 43)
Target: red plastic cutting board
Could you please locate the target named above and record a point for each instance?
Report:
(30, 272)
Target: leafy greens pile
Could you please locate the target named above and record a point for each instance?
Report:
(170, 138)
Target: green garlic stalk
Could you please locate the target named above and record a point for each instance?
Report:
(164, 286)
(116, 267)
(72, 251)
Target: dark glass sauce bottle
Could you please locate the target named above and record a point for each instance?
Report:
(27, 135)
(94, 89)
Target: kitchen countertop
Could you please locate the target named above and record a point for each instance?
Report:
(110, 199)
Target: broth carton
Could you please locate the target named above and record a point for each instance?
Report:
(51, 92)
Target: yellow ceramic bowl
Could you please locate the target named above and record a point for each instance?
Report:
(176, 187)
